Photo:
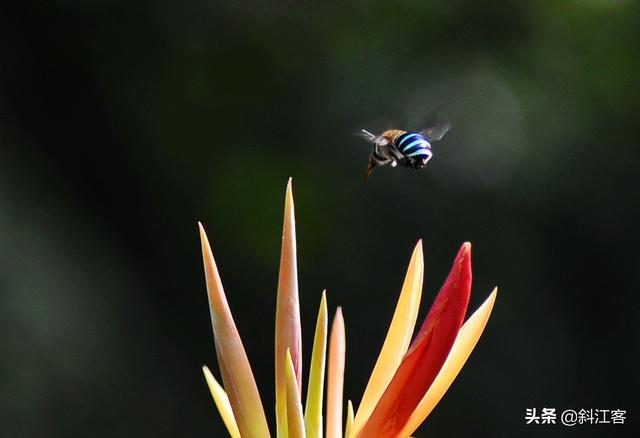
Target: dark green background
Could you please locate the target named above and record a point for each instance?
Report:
(122, 124)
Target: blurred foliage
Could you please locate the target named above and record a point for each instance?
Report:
(122, 123)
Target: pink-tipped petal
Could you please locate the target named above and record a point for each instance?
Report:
(335, 379)
(234, 366)
(288, 331)
(427, 353)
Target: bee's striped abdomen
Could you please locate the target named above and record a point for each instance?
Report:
(412, 144)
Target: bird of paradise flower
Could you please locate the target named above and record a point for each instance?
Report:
(408, 379)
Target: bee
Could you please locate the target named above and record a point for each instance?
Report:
(410, 149)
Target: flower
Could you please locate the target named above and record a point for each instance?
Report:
(408, 380)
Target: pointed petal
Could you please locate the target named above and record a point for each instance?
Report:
(295, 423)
(335, 380)
(313, 406)
(234, 365)
(463, 346)
(222, 403)
(398, 338)
(288, 332)
(426, 354)
(348, 425)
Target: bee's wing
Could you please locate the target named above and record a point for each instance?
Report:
(367, 135)
(372, 138)
(439, 128)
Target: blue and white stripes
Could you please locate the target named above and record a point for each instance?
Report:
(412, 144)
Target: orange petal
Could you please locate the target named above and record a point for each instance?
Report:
(398, 338)
(426, 355)
(335, 378)
(288, 332)
(463, 346)
(232, 359)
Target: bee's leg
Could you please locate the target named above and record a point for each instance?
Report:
(372, 165)
(405, 162)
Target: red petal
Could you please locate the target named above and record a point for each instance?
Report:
(427, 353)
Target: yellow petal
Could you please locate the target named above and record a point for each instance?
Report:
(313, 406)
(222, 403)
(232, 359)
(397, 341)
(295, 423)
(347, 427)
(288, 332)
(335, 379)
(463, 346)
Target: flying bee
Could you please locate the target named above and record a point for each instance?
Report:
(410, 149)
